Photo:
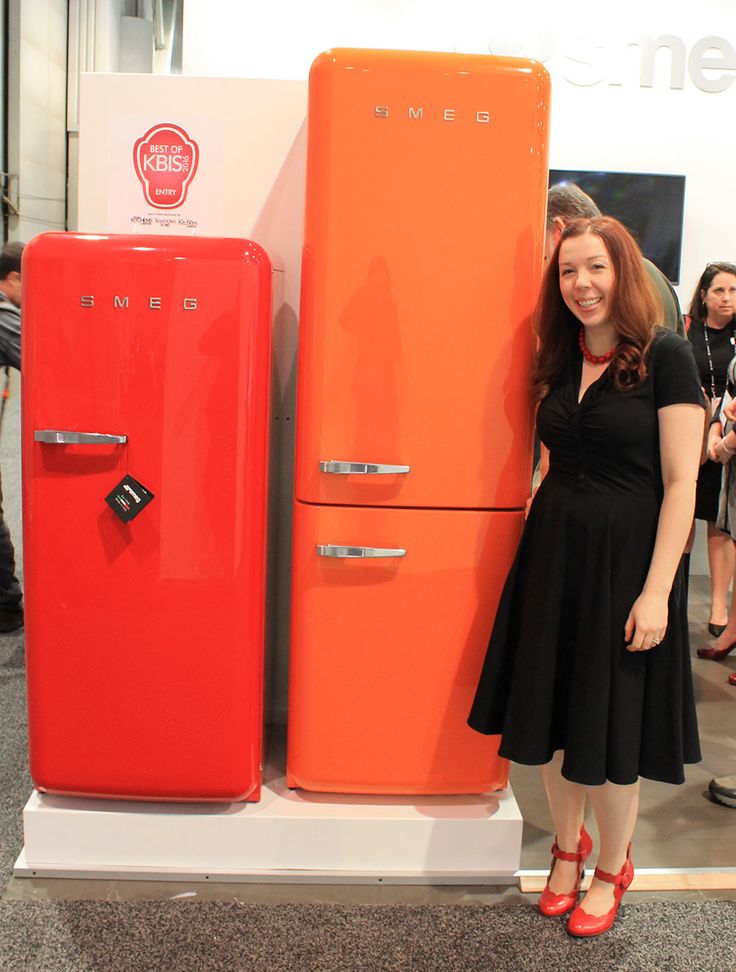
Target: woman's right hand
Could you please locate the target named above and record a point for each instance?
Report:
(715, 437)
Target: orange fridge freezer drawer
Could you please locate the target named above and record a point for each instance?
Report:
(386, 651)
(426, 196)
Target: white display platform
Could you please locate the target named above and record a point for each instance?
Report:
(290, 836)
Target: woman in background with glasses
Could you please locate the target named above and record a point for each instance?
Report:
(722, 450)
(712, 334)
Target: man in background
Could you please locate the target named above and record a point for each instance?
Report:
(567, 202)
(11, 612)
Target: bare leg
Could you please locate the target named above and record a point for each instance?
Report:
(615, 809)
(690, 540)
(729, 635)
(567, 805)
(721, 565)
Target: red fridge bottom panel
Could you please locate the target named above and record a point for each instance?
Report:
(140, 712)
(386, 652)
(141, 684)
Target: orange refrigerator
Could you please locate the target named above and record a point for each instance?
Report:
(423, 251)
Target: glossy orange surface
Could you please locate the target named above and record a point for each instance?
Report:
(427, 180)
(387, 652)
(145, 640)
(426, 195)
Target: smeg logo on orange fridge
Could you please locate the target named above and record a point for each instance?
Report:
(122, 302)
(444, 114)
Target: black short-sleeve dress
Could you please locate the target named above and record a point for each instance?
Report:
(557, 675)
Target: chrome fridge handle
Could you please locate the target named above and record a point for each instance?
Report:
(61, 437)
(335, 550)
(340, 468)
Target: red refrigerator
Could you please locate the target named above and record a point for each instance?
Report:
(145, 370)
(426, 194)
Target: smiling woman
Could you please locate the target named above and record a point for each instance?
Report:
(588, 670)
(596, 280)
(587, 287)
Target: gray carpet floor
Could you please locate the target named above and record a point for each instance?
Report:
(210, 936)
(15, 780)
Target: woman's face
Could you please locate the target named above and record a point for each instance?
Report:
(587, 279)
(720, 298)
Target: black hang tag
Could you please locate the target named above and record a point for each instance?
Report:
(128, 498)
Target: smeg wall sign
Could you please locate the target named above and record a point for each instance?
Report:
(710, 63)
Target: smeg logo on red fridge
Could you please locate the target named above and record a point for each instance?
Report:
(165, 161)
(122, 302)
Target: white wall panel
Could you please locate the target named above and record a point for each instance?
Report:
(597, 122)
(37, 116)
(249, 183)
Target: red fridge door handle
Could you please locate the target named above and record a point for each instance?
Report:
(61, 437)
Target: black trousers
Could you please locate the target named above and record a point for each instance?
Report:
(10, 592)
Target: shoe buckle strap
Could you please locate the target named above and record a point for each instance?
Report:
(622, 880)
(572, 856)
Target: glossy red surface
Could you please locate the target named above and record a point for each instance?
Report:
(424, 233)
(145, 640)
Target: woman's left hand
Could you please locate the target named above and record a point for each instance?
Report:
(729, 410)
(721, 452)
(647, 622)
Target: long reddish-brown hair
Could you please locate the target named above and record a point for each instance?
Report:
(636, 310)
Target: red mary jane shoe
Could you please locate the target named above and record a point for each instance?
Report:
(715, 654)
(732, 678)
(583, 925)
(553, 905)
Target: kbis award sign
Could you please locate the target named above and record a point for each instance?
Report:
(165, 161)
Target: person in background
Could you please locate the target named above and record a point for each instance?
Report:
(712, 334)
(588, 665)
(566, 202)
(723, 790)
(722, 449)
(11, 611)
(722, 452)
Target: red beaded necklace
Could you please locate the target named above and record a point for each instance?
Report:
(594, 358)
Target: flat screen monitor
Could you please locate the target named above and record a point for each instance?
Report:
(651, 206)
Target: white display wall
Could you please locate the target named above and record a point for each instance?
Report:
(635, 87)
(609, 110)
(249, 183)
